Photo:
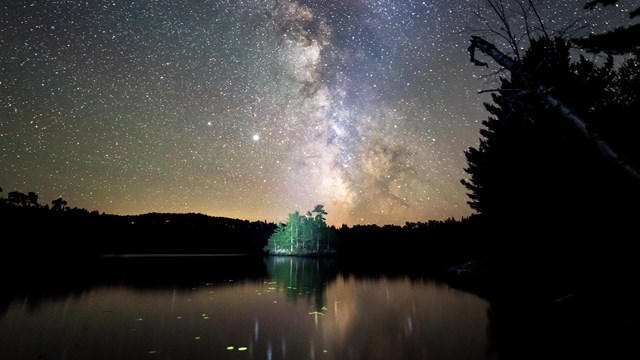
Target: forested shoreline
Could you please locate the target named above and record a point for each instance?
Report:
(66, 232)
(73, 232)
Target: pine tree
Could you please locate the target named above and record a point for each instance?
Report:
(621, 40)
(531, 166)
(302, 234)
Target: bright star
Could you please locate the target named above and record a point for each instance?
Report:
(256, 137)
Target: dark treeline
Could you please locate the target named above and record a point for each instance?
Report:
(59, 230)
(64, 231)
(422, 246)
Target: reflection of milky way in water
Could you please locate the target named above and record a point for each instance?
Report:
(300, 311)
(249, 109)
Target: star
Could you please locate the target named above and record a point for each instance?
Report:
(105, 106)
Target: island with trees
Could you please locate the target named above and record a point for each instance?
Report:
(306, 235)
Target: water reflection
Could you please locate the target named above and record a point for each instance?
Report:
(302, 277)
(296, 309)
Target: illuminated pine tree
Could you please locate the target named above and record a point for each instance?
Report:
(301, 234)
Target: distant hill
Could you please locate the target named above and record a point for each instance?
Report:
(41, 231)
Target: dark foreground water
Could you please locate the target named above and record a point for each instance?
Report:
(242, 307)
(237, 308)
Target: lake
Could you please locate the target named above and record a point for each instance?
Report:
(237, 308)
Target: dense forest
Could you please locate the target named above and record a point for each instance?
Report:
(64, 231)
(58, 230)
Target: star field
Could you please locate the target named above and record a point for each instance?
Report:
(249, 108)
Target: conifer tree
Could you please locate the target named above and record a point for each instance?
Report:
(621, 40)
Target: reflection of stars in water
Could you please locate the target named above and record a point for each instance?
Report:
(105, 106)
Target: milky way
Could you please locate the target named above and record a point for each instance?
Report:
(248, 109)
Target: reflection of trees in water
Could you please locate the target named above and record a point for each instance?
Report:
(33, 284)
(296, 276)
(40, 281)
(301, 276)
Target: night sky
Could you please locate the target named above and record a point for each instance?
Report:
(249, 109)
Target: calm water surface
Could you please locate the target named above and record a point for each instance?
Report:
(280, 308)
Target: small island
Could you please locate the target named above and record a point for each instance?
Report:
(303, 235)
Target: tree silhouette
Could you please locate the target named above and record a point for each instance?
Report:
(533, 173)
(621, 40)
(58, 204)
(32, 199)
(523, 130)
(536, 170)
(17, 198)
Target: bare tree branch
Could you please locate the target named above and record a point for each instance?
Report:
(542, 27)
(526, 20)
(500, 11)
(505, 91)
